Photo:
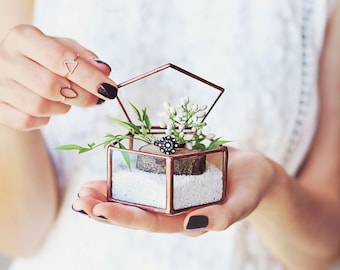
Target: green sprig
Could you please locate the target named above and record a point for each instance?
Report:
(183, 123)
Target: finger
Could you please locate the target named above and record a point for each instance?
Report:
(61, 60)
(219, 217)
(29, 102)
(99, 185)
(85, 204)
(83, 74)
(45, 83)
(93, 193)
(93, 201)
(88, 55)
(33, 76)
(73, 95)
(20, 120)
(134, 217)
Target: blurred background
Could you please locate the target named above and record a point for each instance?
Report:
(4, 263)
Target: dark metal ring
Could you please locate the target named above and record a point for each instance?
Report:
(168, 145)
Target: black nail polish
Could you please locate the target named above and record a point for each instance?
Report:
(102, 62)
(79, 211)
(100, 101)
(107, 90)
(82, 212)
(102, 217)
(197, 222)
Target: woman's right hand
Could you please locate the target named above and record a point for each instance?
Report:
(42, 76)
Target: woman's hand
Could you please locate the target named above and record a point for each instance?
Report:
(250, 175)
(42, 76)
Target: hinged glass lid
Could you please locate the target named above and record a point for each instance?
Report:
(165, 84)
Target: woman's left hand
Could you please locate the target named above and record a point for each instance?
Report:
(250, 175)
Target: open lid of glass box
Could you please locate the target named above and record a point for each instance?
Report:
(165, 84)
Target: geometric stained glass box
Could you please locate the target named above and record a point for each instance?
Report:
(165, 176)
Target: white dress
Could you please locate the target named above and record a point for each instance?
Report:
(263, 52)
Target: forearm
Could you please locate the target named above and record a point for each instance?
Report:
(300, 219)
(28, 194)
(299, 226)
(14, 12)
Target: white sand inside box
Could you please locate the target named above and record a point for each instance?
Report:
(137, 186)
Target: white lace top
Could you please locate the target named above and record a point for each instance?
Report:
(263, 52)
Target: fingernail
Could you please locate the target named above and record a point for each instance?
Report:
(107, 90)
(197, 223)
(82, 212)
(100, 101)
(79, 211)
(102, 62)
(102, 217)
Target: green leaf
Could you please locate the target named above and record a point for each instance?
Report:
(216, 142)
(129, 126)
(125, 155)
(146, 120)
(79, 148)
(143, 130)
(135, 109)
(144, 138)
(199, 146)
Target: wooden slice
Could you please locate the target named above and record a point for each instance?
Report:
(182, 166)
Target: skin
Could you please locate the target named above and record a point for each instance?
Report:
(297, 217)
(26, 104)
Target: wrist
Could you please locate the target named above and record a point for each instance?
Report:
(279, 181)
(278, 190)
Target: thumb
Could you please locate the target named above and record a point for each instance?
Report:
(216, 217)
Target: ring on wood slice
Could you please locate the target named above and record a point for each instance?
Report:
(193, 165)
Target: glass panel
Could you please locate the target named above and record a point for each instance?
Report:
(200, 189)
(132, 184)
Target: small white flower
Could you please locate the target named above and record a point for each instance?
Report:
(199, 132)
(203, 107)
(166, 105)
(200, 114)
(210, 136)
(178, 118)
(172, 110)
(206, 130)
(194, 107)
(184, 100)
(194, 129)
(181, 134)
(162, 125)
(188, 146)
(181, 110)
(181, 127)
(168, 132)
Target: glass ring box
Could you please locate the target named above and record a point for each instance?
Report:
(169, 174)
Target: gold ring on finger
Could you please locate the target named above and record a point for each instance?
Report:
(71, 65)
(67, 93)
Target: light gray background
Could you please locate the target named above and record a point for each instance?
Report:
(4, 263)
